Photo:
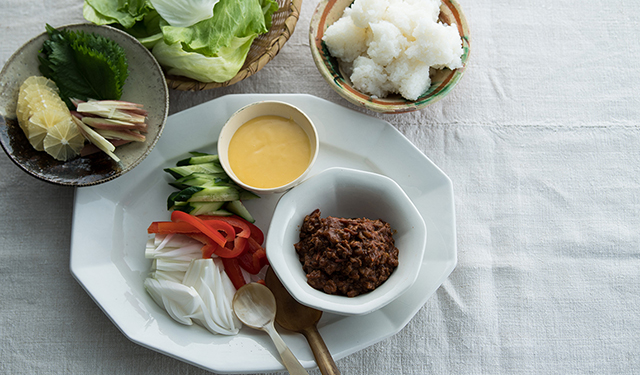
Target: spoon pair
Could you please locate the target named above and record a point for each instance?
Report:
(255, 305)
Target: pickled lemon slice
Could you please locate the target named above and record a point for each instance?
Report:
(42, 121)
(45, 119)
(36, 93)
(63, 140)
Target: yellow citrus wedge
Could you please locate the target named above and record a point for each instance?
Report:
(63, 140)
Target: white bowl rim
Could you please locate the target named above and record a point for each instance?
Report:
(225, 137)
(342, 305)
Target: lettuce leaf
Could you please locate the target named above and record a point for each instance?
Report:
(137, 18)
(215, 49)
(211, 50)
(200, 67)
(147, 31)
(123, 12)
(184, 13)
(231, 19)
(83, 65)
(268, 9)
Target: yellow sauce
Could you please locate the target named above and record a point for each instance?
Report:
(269, 151)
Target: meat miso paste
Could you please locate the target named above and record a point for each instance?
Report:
(346, 257)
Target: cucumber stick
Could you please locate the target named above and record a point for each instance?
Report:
(239, 209)
(205, 189)
(185, 170)
(203, 208)
(214, 194)
(198, 158)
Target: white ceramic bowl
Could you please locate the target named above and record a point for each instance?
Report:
(264, 108)
(350, 193)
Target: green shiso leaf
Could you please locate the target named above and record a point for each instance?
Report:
(83, 65)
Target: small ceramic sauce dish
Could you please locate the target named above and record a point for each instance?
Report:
(268, 146)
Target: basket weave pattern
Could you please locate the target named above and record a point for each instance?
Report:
(263, 49)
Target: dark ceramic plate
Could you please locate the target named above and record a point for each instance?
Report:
(145, 85)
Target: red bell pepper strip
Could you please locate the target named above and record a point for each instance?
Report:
(261, 255)
(166, 227)
(249, 263)
(242, 234)
(207, 228)
(153, 228)
(256, 233)
(239, 222)
(232, 220)
(254, 258)
(232, 268)
(183, 227)
(239, 246)
(178, 216)
(211, 247)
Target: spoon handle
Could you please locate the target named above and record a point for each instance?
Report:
(325, 361)
(288, 359)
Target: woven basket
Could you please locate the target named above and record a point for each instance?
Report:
(264, 48)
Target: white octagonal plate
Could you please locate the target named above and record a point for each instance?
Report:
(110, 222)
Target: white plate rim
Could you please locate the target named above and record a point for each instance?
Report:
(93, 260)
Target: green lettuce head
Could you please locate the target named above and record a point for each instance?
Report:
(208, 50)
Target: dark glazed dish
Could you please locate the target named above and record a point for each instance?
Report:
(346, 257)
(145, 85)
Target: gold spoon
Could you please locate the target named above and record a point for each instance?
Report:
(255, 306)
(292, 315)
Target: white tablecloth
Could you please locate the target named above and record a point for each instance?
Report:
(541, 139)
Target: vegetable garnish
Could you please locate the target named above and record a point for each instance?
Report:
(243, 230)
(103, 122)
(254, 258)
(242, 241)
(205, 189)
(205, 228)
(83, 65)
(49, 125)
(190, 289)
(232, 268)
(227, 250)
(239, 235)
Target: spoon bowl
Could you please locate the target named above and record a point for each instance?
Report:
(255, 306)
